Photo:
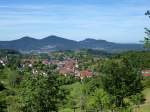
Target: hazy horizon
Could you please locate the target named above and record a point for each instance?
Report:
(139, 42)
(111, 20)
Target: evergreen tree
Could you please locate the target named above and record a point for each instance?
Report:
(3, 105)
(147, 32)
(41, 93)
(121, 81)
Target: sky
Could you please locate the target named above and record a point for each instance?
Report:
(120, 21)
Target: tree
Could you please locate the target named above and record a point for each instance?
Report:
(99, 100)
(3, 105)
(41, 94)
(137, 99)
(1, 86)
(121, 81)
(147, 32)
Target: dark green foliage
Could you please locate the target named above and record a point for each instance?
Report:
(139, 60)
(1, 86)
(137, 99)
(121, 80)
(98, 52)
(14, 61)
(4, 52)
(67, 80)
(147, 32)
(14, 78)
(146, 82)
(3, 104)
(147, 39)
(40, 93)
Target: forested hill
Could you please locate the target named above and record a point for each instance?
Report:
(52, 43)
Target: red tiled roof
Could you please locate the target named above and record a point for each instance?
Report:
(86, 73)
(69, 64)
(146, 72)
(65, 71)
(45, 62)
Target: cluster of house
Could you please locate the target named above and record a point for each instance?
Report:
(71, 67)
(66, 67)
(28, 62)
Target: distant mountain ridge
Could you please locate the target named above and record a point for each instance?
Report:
(52, 43)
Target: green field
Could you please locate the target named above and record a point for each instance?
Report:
(146, 107)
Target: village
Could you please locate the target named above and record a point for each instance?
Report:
(74, 74)
(66, 67)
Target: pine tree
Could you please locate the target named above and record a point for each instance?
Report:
(147, 32)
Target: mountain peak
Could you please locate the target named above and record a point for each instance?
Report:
(51, 37)
(56, 38)
(93, 40)
(26, 38)
(89, 39)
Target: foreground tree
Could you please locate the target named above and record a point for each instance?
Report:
(41, 93)
(147, 32)
(121, 81)
(3, 105)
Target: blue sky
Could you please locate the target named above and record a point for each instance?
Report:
(113, 20)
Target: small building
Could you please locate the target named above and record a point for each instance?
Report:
(67, 67)
(86, 74)
(45, 62)
(146, 73)
(2, 62)
(66, 71)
